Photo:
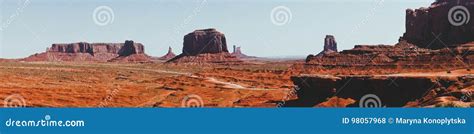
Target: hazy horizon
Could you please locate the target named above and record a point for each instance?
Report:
(30, 26)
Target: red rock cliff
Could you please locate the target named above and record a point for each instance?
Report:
(446, 23)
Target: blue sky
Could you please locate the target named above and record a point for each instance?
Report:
(28, 27)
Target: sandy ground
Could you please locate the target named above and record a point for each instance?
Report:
(46, 84)
(138, 85)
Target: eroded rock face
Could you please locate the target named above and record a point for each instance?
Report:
(204, 41)
(130, 48)
(391, 90)
(330, 45)
(431, 27)
(122, 49)
(401, 55)
(94, 52)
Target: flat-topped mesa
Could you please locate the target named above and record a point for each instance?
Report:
(122, 49)
(93, 52)
(204, 41)
(205, 46)
(446, 23)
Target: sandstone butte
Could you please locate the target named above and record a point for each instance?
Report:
(237, 52)
(205, 46)
(431, 42)
(93, 52)
(168, 55)
(330, 45)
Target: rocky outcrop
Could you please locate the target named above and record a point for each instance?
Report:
(401, 55)
(446, 23)
(168, 55)
(330, 45)
(458, 93)
(237, 52)
(130, 48)
(204, 41)
(336, 102)
(94, 52)
(205, 46)
(379, 90)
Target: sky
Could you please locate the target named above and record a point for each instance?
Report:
(264, 28)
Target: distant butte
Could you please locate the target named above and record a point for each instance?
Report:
(205, 46)
(93, 52)
(168, 55)
(204, 41)
(330, 45)
(237, 52)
